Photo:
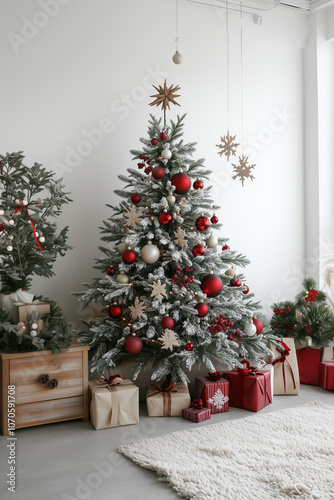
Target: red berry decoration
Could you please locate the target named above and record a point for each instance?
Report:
(198, 250)
(181, 182)
(189, 346)
(214, 219)
(133, 344)
(247, 289)
(259, 326)
(167, 322)
(165, 219)
(202, 309)
(128, 256)
(225, 247)
(1, 228)
(235, 282)
(202, 223)
(111, 271)
(135, 198)
(154, 141)
(115, 311)
(198, 184)
(212, 285)
(163, 136)
(158, 173)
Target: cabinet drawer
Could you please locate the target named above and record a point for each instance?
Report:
(46, 412)
(26, 375)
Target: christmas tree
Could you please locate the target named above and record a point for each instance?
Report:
(30, 200)
(308, 317)
(169, 292)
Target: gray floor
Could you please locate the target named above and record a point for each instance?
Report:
(72, 461)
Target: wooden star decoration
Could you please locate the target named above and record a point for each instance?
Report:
(228, 146)
(243, 170)
(180, 238)
(137, 310)
(169, 339)
(159, 291)
(165, 96)
(133, 216)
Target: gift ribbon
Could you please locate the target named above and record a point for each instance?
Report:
(32, 223)
(249, 370)
(214, 376)
(111, 384)
(197, 404)
(166, 388)
(282, 359)
(259, 379)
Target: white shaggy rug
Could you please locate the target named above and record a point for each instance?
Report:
(283, 454)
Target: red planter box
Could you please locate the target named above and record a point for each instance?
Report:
(309, 365)
(327, 375)
(250, 392)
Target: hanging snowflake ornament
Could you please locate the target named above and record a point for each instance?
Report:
(218, 400)
(137, 310)
(169, 339)
(180, 238)
(243, 169)
(133, 216)
(159, 291)
(228, 146)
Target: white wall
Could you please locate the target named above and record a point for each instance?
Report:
(72, 74)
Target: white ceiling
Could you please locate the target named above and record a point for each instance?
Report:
(258, 6)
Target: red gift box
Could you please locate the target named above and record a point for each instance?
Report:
(196, 413)
(249, 389)
(327, 375)
(214, 393)
(309, 365)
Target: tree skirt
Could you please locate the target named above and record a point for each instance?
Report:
(283, 454)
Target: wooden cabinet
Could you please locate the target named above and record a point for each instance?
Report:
(37, 403)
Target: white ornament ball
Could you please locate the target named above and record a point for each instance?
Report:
(10, 237)
(122, 247)
(171, 199)
(150, 253)
(33, 333)
(212, 241)
(17, 202)
(122, 278)
(42, 239)
(11, 222)
(34, 326)
(10, 248)
(2, 212)
(231, 271)
(177, 58)
(250, 329)
(25, 202)
(166, 154)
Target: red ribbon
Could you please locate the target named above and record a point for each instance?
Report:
(197, 404)
(215, 376)
(167, 386)
(249, 370)
(32, 223)
(103, 379)
(283, 359)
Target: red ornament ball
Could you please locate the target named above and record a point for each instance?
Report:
(202, 309)
(202, 223)
(128, 256)
(154, 141)
(163, 136)
(212, 285)
(214, 219)
(198, 184)
(115, 311)
(198, 250)
(158, 173)
(189, 346)
(133, 344)
(259, 326)
(135, 198)
(181, 182)
(165, 219)
(1, 228)
(235, 282)
(167, 322)
(225, 247)
(111, 271)
(246, 290)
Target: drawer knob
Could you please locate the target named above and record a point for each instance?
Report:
(45, 379)
(53, 383)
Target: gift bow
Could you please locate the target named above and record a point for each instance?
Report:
(111, 384)
(32, 223)
(215, 376)
(197, 404)
(249, 370)
(166, 389)
(282, 359)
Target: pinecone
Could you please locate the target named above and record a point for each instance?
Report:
(53, 383)
(45, 378)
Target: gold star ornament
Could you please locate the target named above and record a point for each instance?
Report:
(165, 96)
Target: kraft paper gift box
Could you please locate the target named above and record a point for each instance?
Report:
(286, 373)
(114, 403)
(249, 389)
(328, 354)
(169, 401)
(327, 375)
(196, 412)
(308, 359)
(21, 310)
(214, 391)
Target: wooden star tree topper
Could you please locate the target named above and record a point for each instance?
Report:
(165, 96)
